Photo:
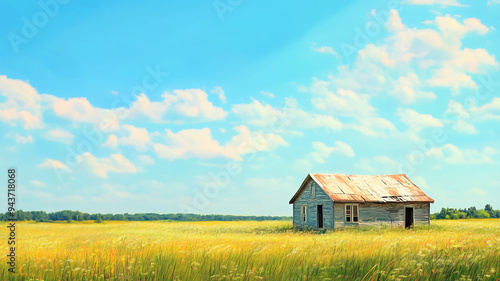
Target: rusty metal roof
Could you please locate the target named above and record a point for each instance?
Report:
(367, 188)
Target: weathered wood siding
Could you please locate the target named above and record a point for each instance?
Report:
(373, 214)
(312, 200)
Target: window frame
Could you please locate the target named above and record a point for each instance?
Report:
(351, 213)
(303, 213)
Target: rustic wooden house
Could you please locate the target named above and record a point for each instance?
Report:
(331, 201)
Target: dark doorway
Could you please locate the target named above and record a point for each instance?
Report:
(320, 216)
(408, 217)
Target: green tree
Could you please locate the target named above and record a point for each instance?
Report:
(496, 214)
(482, 214)
(489, 210)
(98, 219)
(119, 217)
(471, 212)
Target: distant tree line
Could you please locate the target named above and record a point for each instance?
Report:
(68, 215)
(472, 212)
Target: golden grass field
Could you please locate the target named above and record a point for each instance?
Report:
(447, 250)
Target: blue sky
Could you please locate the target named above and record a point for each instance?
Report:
(225, 106)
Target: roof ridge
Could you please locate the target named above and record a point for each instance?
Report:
(368, 188)
(378, 175)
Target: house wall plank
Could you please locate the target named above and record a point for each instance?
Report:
(377, 214)
(312, 200)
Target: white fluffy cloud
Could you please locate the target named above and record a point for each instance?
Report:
(54, 164)
(377, 54)
(379, 165)
(146, 159)
(38, 183)
(463, 118)
(136, 137)
(220, 93)
(111, 141)
(178, 107)
(199, 143)
(100, 167)
(80, 110)
(443, 50)
(407, 89)
(489, 111)
(340, 103)
(139, 138)
(462, 126)
(443, 47)
(477, 61)
(20, 138)
(322, 151)
(436, 54)
(435, 2)
(395, 24)
(347, 103)
(451, 154)
(324, 50)
(267, 94)
(23, 104)
(59, 135)
(256, 113)
(417, 122)
(450, 26)
(451, 78)
(261, 114)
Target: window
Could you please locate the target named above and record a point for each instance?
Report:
(303, 213)
(351, 213)
(313, 191)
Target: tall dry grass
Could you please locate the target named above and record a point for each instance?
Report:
(447, 250)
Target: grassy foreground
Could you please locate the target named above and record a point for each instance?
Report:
(447, 250)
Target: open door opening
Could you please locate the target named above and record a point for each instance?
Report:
(408, 217)
(320, 216)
